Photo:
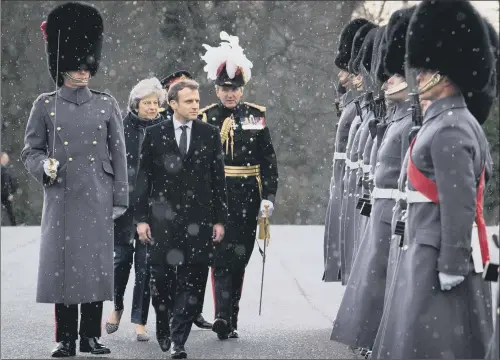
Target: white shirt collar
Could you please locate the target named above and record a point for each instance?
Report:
(178, 124)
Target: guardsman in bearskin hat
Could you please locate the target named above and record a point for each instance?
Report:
(332, 246)
(74, 147)
(351, 164)
(439, 306)
(251, 175)
(362, 64)
(363, 302)
(166, 83)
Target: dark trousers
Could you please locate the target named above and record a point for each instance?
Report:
(228, 280)
(181, 289)
(10, 211)
(125, 254)
(67, 321)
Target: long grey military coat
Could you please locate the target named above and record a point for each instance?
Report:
(332, 219)
(346, 211)
(76, 248)
(493, 352)
(361, 309)
(422, 320)
(359, 223)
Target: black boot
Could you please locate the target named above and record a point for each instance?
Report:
(64, 349)
(202, 323)
(221, 328)
(93, 346)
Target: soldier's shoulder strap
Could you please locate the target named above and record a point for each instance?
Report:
(255, 106)
(101, 93)
(203, 112)
(45, 96)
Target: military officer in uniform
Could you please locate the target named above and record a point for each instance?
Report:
(332, 245)
(361, 309)
(447, 306)
(74, 147)
(251, 175)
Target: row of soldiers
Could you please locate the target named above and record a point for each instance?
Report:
(409, 171)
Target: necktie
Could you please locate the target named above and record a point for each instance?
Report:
(183, 141)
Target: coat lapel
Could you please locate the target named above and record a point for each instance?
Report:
(170, 141)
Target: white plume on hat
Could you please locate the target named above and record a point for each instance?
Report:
(230, 52)
(145, 88)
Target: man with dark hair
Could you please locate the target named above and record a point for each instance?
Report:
(74, 147)
(438, 305)
(181, 212)
(251, 172)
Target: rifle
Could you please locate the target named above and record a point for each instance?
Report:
(337, 100)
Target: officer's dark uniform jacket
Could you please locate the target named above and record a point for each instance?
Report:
(250, 148)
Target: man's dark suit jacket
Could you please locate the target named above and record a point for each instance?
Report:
(181, 199)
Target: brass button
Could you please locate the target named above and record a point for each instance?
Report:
(47, 101)
(100, 126)
(70, 159)
(103, 111)
(94, 142)
(91, 159)
(65, 143)
(52, 114)
(58, 128)
(105, 98)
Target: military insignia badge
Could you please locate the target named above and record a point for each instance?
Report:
(254, 123)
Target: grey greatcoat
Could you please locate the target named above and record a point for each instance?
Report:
(332, 219)
(422, 321)
(348, 205)
(493, 352)
(359, 223)
(361, 309)
(398, 213)
(76, 248)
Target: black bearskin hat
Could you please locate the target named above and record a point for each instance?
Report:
(382, 51)
(174, 77)
(394, 61)
(81, 29)
(450, 37)
(365, 55)
(357, 43)
(376, 49)
(480, 103)
(345, 43)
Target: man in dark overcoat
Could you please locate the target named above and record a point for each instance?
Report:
(74, 147)
(181, 212)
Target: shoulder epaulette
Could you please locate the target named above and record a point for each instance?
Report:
(201, 111)
(99, 92)
(258, 107)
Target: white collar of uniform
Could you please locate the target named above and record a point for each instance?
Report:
(178, 124)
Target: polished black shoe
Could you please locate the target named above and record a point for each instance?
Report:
(164, 344)
(64, 349)
(202, 323)
(93, 346)
(234, 334)
(221, 328)
(178, 352)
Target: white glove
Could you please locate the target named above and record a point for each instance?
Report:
(449, 281)
(50, 168)
(118, 211)
(263, 209)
